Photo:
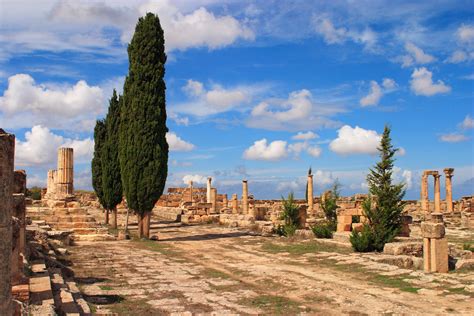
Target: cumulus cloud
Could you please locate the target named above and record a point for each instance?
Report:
(467, 123)
(376, 92)
(460, 56)
(216, 99)
(334, 35)
(177, 144)
(374, 95)
(196, 179)
(453, 138)
(403, 176)
(422, 83)
(305, 136)
(355, 140)
(41, 145)
(261, 150)
(25, 103)
(465, 33)
(415, 56)
(299, 111)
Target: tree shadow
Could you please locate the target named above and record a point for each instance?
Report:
(89, 280)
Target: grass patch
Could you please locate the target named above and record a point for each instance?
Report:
(214, 274)
(273, 305)
(300, 248)
(133, 306)
(105, 287)
(156, 246)
(460, 290)
(395, 282)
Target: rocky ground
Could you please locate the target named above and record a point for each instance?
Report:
(210, 269)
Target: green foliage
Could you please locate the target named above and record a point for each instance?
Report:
(99, 140)
(324, 230)
(363, 241)
(384, 205)
(143, 150)
(468, 246)
(329, 205)
(355, 219)
(34, 193)
(111, 178)
(286, 230)
(290, 210)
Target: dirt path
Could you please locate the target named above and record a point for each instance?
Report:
(210, 269)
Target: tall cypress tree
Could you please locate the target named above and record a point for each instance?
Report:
(384, 206)
(143, 150)
(99, 140)
(111, 178)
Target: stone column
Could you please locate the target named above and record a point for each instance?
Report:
(65, 172)
(424, 193)
(235, 204)
(7, 154)
(214, 200)
(208, 193)
(435, 245)
(448, 172)
(437, 196)
(225, 201)
(310, 193)
(245, 197)
(191, 191)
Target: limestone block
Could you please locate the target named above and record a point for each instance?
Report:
(426, 254)
(432, 230)
(465, 264)
(439, 255)
(404, 248)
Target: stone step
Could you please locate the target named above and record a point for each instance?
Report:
(40, 290)
(90, 230)
(94, 237)
(342, 237)
(73, 225)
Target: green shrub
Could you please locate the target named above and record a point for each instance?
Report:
(286, 230)
(329, 204)
(468, 246)
(363, 241)
(323, 230)
(290, 210)
(34, 193)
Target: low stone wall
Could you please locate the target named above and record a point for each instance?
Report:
(168, 213)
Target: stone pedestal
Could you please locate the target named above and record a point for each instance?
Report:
(310, 193)
(435, 245)
(245, 197)
(7, 152)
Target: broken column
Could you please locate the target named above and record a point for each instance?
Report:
(208, 192)
(65, 173)
(51, 183)
(310, 193)
(225, 202)
(435, 245)
(437, 194)
(245, 197)
(448, 172)
(213, 199)
(235, 204)
(424, 192)
(7, 152)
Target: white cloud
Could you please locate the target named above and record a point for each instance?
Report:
(196, 179)
(260, 150)
(180, 120)
(41, 145)
(401, 151)
(467, 123)
(314, 151)
(355, 141)
(374, 95)
(335, 35)
(376, 92)
(323, 178)
(299, 111)
(177, 144)
(403, 176)
(422, 83)
(415, 56)
(25, 103)
(453, 138)
(458, 56)
(465, 33)
(215, 100)
(305, 136)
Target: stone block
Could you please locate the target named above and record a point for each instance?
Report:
(465, 264)
(357, 227)
(404, 248)
(432, 230)
(439, 255)
(426, 254)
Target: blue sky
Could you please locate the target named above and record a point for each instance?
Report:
(256, 90)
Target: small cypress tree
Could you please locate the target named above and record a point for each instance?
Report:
(143, 150)
(111, 178)
(99, 140)
(384, 206)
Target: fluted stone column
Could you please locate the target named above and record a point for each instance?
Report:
(65, 172)
(310, 193)
(424, 193)
(245, 197)
(437, 194)
(7, 152)
(448, 172)
(209, 188)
